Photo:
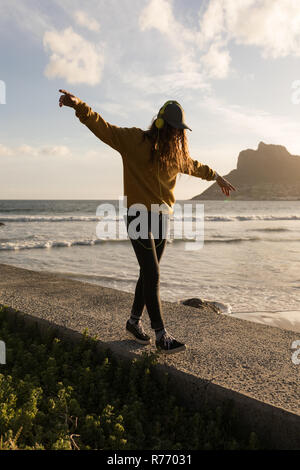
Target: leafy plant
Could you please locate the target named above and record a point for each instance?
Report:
(58, 394)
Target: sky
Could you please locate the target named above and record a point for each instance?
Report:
(232, 64)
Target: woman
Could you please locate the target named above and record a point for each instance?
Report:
(151, 161)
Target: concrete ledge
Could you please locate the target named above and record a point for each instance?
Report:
(227, 359)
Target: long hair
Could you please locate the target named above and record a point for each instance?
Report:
(170, 146)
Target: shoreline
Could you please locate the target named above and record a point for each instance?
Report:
(285, 319)
(277, 319)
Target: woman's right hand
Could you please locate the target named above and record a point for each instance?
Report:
(67, 99)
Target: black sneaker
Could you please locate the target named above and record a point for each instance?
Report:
(169, 345)
(136, 331)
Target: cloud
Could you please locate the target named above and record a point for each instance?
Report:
(196, 60)
(5, 151)
(158, 14)
(27, 16)
(274, 26)
(211, 22)
(55, 150)
(278, 129)
(216, 61)
(34, 151)
(25, 149)
(174, 84)
(73, 58)
(114, 108)
(186, 69)
(271, 25)
(205, 50)
(83, 19)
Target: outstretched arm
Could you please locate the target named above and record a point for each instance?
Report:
(205, 172)
(114, 136)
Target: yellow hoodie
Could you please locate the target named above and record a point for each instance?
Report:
(144, 182)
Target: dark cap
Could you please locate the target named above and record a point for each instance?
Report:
(174, 115)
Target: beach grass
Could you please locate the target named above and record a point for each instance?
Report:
(57, 394)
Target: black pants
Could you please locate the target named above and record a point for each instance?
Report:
(148, 251)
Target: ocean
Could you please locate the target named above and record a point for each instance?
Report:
(249, 262)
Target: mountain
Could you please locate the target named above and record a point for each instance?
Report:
(268, 173)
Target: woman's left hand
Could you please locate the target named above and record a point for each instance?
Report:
(225, 185)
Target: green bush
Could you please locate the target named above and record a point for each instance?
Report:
(58, 394)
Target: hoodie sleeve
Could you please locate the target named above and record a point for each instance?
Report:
(119, 138)
(201, 171)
